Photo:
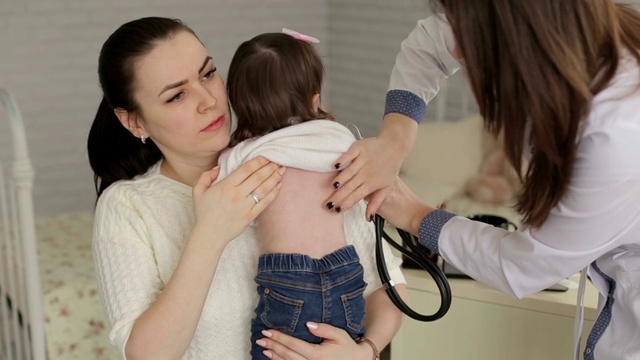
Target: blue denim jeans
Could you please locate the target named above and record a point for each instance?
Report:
(296, 288)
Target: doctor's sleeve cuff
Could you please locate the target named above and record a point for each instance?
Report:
(431, 227)
(406, 103)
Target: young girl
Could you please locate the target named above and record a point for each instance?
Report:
(307, 271)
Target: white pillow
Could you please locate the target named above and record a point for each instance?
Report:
(448, 152)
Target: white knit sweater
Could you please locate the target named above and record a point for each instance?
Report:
(140, 229)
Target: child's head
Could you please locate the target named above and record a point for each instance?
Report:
(274, 81)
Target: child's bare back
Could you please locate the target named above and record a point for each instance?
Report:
(296, 221)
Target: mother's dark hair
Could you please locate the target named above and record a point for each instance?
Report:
(114, 153)
(537, 65)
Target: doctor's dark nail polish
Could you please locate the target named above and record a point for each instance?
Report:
(338, 209)
(337, 165)
(336, 185)
(330, 205)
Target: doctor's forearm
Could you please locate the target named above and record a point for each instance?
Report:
(401, 131)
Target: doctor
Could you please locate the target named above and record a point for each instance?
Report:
(561, 80)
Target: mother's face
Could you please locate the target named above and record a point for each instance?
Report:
(183, 101)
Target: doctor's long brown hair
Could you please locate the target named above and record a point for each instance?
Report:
(541, 62)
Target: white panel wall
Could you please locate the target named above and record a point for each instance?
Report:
(49, 50)
(365, 37)
(48, 59)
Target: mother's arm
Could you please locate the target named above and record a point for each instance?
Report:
(153, 321)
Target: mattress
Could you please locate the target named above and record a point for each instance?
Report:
(75, 323)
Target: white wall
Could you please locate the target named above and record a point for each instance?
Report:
(48, 60)
(365, 36)
(49, 51)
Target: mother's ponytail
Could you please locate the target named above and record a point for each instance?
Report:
(114, 153)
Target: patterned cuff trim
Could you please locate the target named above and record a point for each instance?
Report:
(405, 103)
(431, 227)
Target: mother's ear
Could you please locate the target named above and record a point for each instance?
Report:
(131, 122)
(315, 101)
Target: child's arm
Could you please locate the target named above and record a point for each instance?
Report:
(383, 318)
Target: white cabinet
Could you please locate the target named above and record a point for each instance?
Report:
(485, 324)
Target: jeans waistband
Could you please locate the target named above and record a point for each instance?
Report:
(300, 262)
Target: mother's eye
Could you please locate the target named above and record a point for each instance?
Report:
(209, 74)
(176, 97)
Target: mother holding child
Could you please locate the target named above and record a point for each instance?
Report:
(172, 198)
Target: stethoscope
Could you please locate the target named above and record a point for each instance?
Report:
(413, 250)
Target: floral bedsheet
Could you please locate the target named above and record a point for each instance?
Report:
(76, 327)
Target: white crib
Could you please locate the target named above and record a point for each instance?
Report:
(21, 314)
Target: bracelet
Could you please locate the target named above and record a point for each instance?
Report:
(376, 353)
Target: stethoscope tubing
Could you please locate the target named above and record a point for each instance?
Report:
(414, 252)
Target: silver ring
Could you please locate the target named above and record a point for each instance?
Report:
(255, 197)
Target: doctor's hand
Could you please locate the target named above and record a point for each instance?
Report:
(370, 166)
(336, 345)
(403, 209)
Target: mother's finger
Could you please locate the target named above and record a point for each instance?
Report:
(206, 179)
(260, 177)
(248, 168)
(280, 346)
(266, 192)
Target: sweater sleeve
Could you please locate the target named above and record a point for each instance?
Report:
(424, 59)
(127, 273)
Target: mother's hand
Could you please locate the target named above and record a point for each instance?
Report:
(229, 206)
(336, 345)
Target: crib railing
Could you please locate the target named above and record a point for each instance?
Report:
(21, 315)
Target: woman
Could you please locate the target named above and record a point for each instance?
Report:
(172, 282)
(561, 80)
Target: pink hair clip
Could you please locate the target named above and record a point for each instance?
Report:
(298, 36)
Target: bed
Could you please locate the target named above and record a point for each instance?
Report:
(49, 305)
